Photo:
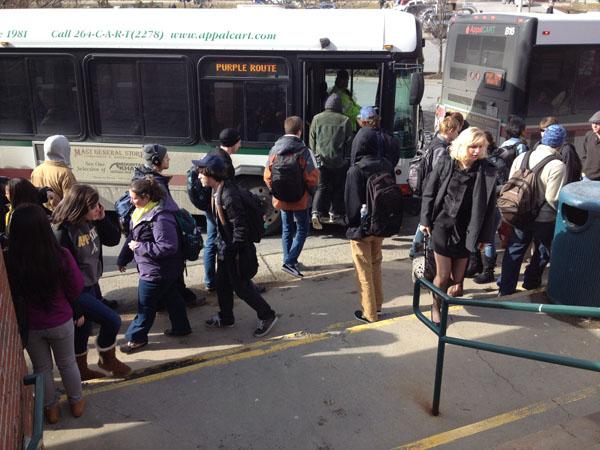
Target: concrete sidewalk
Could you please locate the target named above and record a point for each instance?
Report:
(324, 381)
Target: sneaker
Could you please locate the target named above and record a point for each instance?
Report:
(358, 315)
(292, 270)
(337, 219)
(216, 322)
(264, 326)
(316, 223)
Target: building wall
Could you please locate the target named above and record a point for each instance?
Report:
(16, 399)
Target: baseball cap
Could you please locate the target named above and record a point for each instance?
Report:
(211, 161)
(367, 112)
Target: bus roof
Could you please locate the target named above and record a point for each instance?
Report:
(223, 29)
(552, 29)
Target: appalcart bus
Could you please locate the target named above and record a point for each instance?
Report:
(112, 80)
(531, 65)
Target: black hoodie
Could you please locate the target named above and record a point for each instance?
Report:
(365, 154)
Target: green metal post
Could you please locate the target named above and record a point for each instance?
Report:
(439, 365)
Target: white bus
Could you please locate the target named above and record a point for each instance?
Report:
(112, 80)
(531, 65)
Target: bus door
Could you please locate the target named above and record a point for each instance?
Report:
(319, 74)
(406, 86)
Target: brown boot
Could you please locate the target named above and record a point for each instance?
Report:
(109, 362)
(78, 407)
(85, 372)
(52, 413)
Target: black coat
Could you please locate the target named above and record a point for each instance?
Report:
(365, 154)
(234, 230)
(481, 225)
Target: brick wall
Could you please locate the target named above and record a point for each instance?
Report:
(16, 399)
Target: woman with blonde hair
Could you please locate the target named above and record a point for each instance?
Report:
(458, 208)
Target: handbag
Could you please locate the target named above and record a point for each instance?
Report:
(423, 265)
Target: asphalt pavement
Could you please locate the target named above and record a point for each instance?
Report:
(322, 380)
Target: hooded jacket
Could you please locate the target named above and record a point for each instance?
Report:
(331, 134)
(286, 145)
(159, 255)
(55, 172)
(367, 161)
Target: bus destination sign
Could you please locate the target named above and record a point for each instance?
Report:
(245, 69)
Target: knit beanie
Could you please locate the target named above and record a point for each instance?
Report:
(57, 148)
(554, 136)
(229, 137)
(154, 154)
(334, 103)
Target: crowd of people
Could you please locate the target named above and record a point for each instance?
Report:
(55, 228)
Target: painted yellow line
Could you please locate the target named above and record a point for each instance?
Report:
(499, 420)
(253, 350)
(212, 363)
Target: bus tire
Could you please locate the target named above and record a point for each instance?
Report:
(272, 217)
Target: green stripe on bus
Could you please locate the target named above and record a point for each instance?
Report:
(12, 143)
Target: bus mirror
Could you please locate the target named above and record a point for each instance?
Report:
(417, 86)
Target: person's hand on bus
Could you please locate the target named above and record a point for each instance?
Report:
(133, 245)
(425, 230)
(122, 269)
(481, 245)
(80, 321)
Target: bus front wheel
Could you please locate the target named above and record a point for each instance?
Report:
(258, 188)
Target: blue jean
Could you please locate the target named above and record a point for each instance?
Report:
(518, 243)
(210, 251)
(489, 249)
(149, 294)
(295, 225)
(95, 311)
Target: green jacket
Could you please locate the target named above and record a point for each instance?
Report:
(330, 138)
(349, 106)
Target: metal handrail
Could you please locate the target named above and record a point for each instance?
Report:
(446, 301)
(37, 379)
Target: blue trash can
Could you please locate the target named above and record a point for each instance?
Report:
(574, 277)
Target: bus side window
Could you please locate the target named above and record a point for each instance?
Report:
(15, 103)
(139, 98)
(56, 106)
(588, 79)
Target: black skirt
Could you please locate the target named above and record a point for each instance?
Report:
(449, 242)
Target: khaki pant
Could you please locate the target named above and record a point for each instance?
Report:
(367, 257)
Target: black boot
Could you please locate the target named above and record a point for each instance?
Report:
(487, 276)
(475, 266)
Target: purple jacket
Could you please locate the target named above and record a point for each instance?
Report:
(159, 255)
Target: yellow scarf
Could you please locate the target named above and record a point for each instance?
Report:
(137, 214)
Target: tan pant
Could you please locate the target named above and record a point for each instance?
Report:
(367, 257)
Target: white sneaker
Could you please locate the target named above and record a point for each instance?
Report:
(316, 223)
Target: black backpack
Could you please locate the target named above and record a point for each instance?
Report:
(255, 213)
(419, 169)
(287, 177)
(385, 205)
(191, 239)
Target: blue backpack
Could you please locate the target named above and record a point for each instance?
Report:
(124, 208)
